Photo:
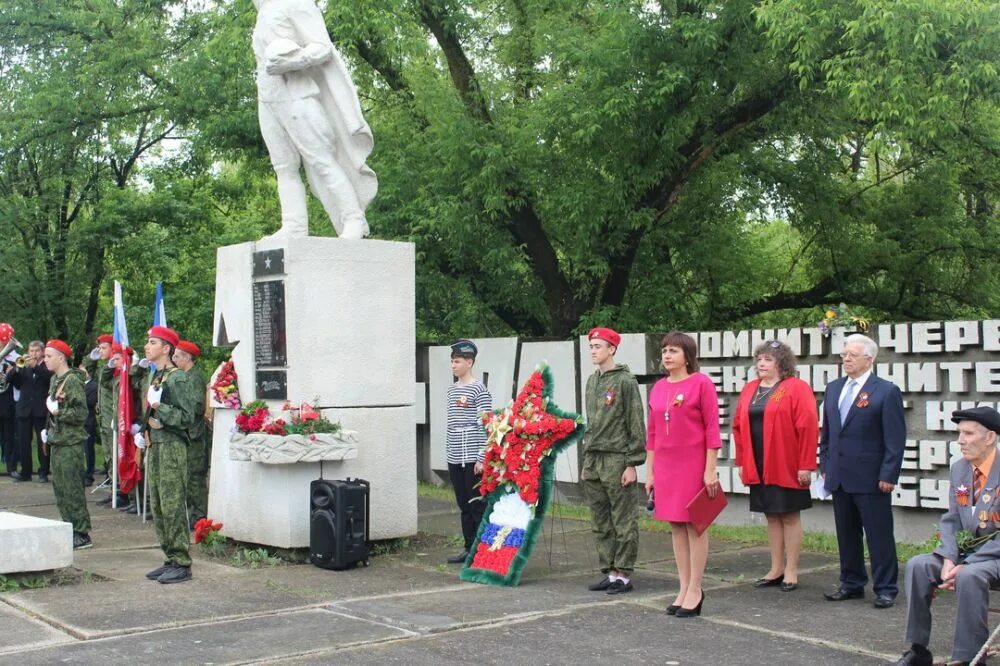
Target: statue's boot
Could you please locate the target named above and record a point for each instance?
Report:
(355, 227)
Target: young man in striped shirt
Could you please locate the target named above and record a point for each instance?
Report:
(467, 399)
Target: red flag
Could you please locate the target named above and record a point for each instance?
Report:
(129, 473)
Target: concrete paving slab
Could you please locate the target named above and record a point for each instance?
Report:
(21, 632)
(125, 606)
(473, 603)
(805, 612)
(260, 639)
(132, 564)
(382, 578)
(616, 633)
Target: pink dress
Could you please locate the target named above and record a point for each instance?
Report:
(680, 442)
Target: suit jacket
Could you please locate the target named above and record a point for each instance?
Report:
(7, 402)
(959, 517)
(34, 386)
(868, 446)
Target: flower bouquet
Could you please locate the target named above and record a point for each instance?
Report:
(523, 440)
(225, 392)
(208, 537)
(839, 315)
(297, 434)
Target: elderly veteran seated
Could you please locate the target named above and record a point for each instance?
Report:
(968, 559)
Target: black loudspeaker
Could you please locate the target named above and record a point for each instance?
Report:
(338, 523)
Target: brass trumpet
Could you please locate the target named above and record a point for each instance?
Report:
(22, 360)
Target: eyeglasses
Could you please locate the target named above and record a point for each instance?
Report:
(851, 355)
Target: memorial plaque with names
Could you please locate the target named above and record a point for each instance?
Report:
(268, 262)
(272, 385)
(270, 341)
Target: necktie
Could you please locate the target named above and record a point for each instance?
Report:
(977, 484)
(845, 403)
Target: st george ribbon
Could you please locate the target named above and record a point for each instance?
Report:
(523, 441)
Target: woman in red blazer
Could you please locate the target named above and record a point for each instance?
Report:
(776, 430)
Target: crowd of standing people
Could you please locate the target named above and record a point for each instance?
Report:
(69, 413)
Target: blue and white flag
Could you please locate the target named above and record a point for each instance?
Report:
(121, 329)
(159, 312)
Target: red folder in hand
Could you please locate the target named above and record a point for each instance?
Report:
(703, 511)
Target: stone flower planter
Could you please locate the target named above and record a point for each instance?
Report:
(290, 449)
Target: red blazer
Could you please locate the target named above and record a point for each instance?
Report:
(791, 433)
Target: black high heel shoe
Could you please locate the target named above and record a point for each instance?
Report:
(672, 609)
(692, 612)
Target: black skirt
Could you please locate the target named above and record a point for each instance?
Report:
(764, 497)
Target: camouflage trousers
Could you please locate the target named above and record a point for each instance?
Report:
(66, 465)
(106, 434)
(197, 491)
(614, 511)
(167, 470)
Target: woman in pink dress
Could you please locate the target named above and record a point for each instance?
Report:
(682, 445)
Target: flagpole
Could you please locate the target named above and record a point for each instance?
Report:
(145, 484)
(114, 469)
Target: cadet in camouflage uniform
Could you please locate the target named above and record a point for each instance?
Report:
(64, 436)
(106, 397)
(170, 406)
(139, 378)
(197, 501)
(614, 445)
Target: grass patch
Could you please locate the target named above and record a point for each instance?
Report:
(39, 580)
(435, 492)
(744, 535)
(390, 547)
(254, 558)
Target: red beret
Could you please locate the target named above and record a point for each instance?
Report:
(166, 334)
(60, 346)
(605, 334)
(105, 337)
(116, 348)
(189, 347)
(6, 332)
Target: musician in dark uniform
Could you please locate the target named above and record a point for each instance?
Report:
(32, 380)
(8, 442)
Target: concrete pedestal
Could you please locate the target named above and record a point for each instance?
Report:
(350, 330)
(33, 544)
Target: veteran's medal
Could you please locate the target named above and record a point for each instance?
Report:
(986, 498)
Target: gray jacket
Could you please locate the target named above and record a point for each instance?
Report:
(959, 517)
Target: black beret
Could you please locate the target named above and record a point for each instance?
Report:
(465, 347)
(987, 416)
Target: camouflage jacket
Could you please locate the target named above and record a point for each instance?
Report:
(615, 420)
(200, 387)
(66, 427)
(176, 411)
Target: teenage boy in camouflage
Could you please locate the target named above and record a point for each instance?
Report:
(185, 358)
(614, 445)
(170, 404)
(64, 436)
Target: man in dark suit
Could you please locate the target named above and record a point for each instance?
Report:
(32, 381)
(861, 453)
(8, 443)
(969, 565)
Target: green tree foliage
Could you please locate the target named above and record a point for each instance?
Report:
(680, 164)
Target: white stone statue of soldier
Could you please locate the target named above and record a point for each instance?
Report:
(310, 116)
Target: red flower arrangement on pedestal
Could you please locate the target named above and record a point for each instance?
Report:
(518, 438)
(303, 420)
